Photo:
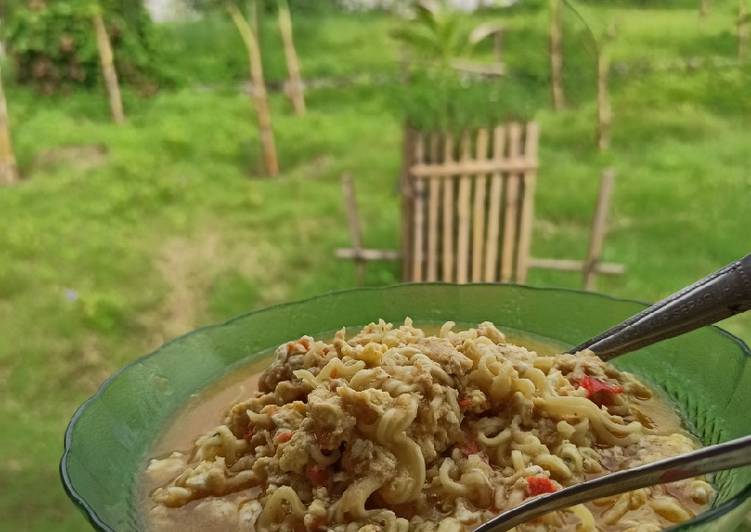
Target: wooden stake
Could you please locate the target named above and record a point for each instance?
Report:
(743, 30)
(556, 55)
(8, 168)
(599, 227)
(353, 222)
(259, 96)
(704, 8)
(109, 73)
(528, 203)
(295, 84)
(604, 111)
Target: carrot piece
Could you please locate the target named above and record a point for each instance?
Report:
(283, 436)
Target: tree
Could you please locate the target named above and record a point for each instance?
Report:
(109, 73)
(556, 55)
(247, 26)
(8, 168)
(295, 84)
(743, 30)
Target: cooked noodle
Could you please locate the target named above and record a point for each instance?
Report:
(396, 430)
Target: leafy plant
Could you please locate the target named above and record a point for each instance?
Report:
(53, 44)
(440, 94)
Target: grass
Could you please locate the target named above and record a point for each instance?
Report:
(104, 259)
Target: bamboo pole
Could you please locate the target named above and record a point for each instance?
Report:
(556, 55)
(743, 30)
(353, 222)
(259, 96)
(604, 110)
(295, 84)
(106, 57)
(8, 168)
(704, 8)
(599, 227)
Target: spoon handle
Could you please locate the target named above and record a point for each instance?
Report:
(717, 296)
(735, 453)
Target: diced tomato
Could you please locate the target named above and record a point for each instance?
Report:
(539, 485)
(249, 433)
(283, 436)
(465, 402)
(318, 475)
(470, 446)
(594, 386)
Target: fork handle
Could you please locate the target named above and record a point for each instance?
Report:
(715, 297)
(728, 455)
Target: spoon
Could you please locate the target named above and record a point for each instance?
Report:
(734, 453)
(715, 297)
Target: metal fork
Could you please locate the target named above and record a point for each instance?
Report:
(715, 297)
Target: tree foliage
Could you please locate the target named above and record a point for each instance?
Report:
(53, 43)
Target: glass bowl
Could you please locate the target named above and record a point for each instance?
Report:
(706, 373)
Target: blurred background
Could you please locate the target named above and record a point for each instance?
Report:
(173, 163)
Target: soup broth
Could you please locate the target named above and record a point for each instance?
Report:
(643, 510)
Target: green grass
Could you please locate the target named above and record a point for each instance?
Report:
(173, 228)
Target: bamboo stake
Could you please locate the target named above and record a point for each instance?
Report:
(494, 211)
(295, 87)
(433, 210)
(419, 216)
(556, 55)
(743, 30)
(478, 208)
(447, 273)
(528, 204)
(599, 227)
(465, 190)
(511, 197)
(604, 110)
(8, 168)
(704, 8)
(259, 96)
(353, 222)
(109, 73)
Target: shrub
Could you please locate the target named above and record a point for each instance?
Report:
(53, 43)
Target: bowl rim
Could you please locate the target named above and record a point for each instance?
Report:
(99, 524)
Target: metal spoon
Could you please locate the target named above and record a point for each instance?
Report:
(735, 453)
(709, 300)
(715, 297)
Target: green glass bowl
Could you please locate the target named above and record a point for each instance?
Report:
(706, 373)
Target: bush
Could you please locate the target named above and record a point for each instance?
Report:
(53, 43)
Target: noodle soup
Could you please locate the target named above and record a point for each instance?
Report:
(402, 428)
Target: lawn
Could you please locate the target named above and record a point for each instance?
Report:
(165, 226)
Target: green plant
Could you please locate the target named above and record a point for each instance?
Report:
(53, 44)
(440, 95)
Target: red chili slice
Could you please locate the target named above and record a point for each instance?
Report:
(594, 385)
(540, 485)
(318, 475)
